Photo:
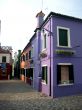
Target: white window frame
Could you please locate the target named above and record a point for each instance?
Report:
(64, 64)
(66, 83)
(43, 81)
(42, 41)
(68, 35)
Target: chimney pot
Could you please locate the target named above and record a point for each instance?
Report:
(40, 18)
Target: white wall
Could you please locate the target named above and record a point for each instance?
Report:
(8, 58)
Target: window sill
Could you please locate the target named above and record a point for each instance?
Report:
(43, 82)
(66, 84)
(64, 46)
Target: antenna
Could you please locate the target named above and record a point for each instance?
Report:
(42, 5)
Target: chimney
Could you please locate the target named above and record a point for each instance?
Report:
(40, 18)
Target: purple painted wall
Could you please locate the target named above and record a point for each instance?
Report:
(76, 59)
(53, 59)
(36, 63)
(48, 61)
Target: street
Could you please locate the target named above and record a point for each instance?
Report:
(16, 95)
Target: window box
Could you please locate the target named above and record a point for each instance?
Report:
(65, 82)
(65, 52)
(43, 54)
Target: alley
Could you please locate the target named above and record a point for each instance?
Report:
(16, 95)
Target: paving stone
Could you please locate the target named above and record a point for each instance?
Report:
(16, 95)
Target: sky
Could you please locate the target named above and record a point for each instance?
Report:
(18, 18)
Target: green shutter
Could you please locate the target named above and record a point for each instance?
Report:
(58, 74)
(63, 38)
(42, 73)
(71, 74)
(46, 74)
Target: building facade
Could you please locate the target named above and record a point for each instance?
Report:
(57, 59)
(5, 62)
(25, 64)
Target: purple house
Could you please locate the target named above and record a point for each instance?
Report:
(57, 57)
(60, 46)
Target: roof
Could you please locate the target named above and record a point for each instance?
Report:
(58, 15)
(34, 35)
(28, 45)
(4, 51)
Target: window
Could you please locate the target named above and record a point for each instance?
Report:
(23, 71)
(3, 58)
(63, 36)
(44, 41)
(30, 54)
(44, 74)
(23, 57)
(44, 35)
(65, 74)
(26, 56)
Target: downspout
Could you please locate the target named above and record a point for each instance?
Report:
(50, 58)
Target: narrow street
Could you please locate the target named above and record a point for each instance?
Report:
(16, 95)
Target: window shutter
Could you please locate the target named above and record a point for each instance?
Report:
(71, 74)
(63, 41)
(23, 71)
(26, 72)
(58, 74)
(43, 73)
(46, 74)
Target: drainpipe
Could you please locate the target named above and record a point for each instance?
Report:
(50, 60)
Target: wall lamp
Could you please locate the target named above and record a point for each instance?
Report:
(49, 32)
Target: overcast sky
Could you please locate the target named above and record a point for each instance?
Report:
(18, 20)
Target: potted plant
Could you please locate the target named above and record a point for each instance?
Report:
(65, 52)
(43, 54)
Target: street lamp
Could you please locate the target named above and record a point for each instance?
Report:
(49, 32)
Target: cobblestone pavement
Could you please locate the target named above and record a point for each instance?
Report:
(16, 95)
